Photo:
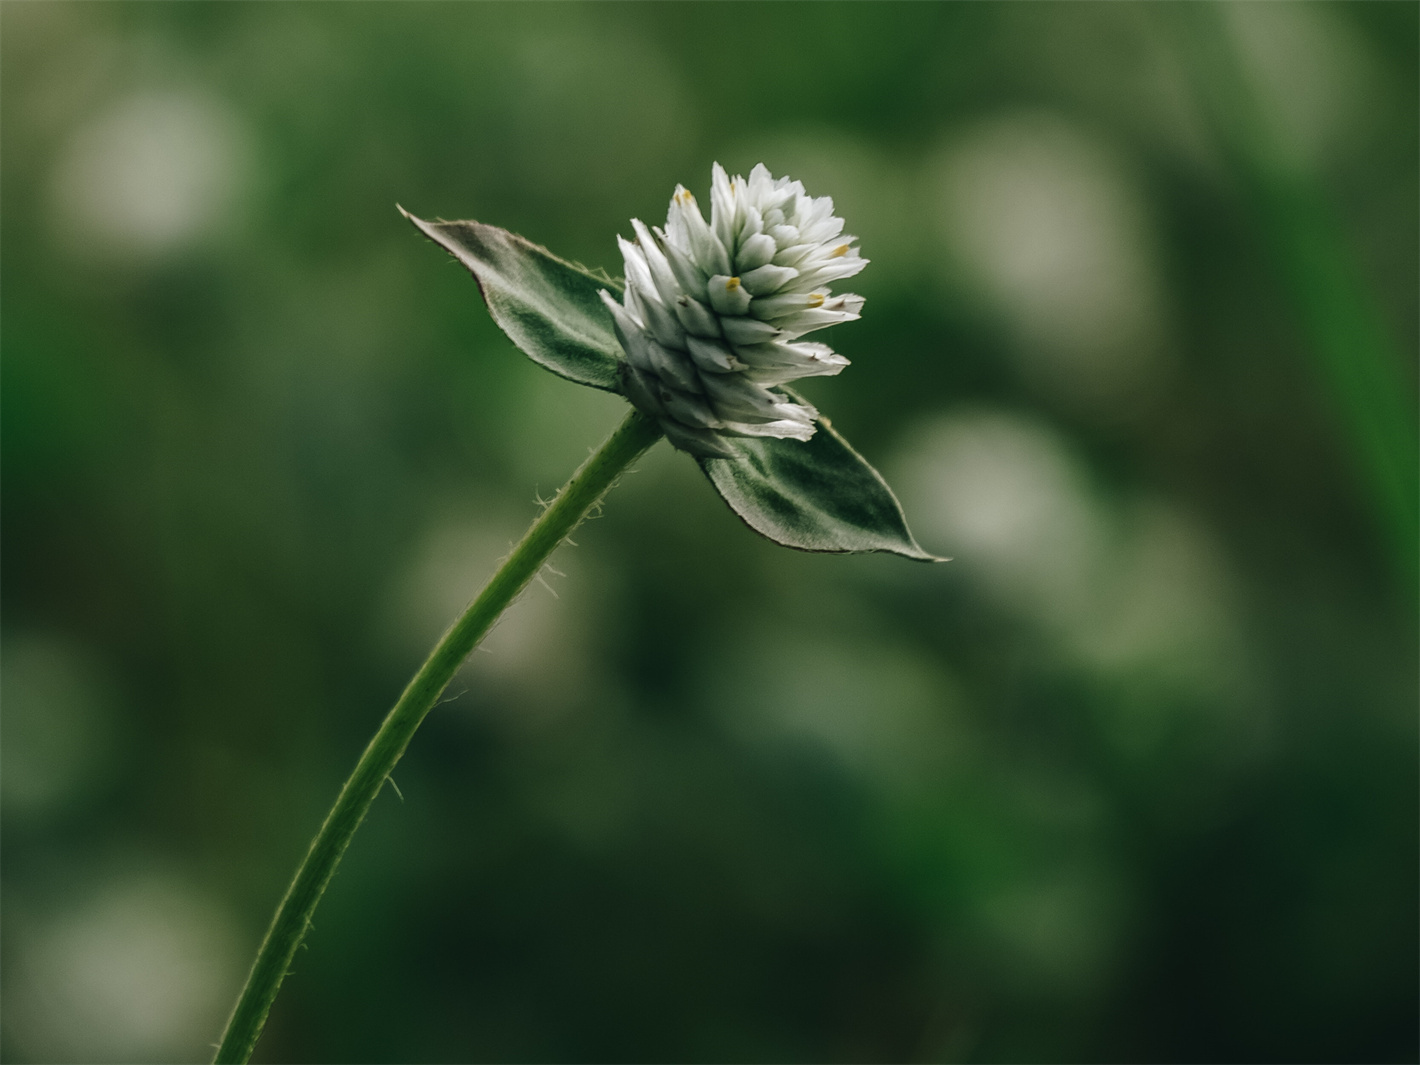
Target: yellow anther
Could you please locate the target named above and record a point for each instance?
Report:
(842, 249)
(815, 300)
(684, 196)
(732, 284)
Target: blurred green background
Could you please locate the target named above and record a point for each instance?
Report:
(1133, 778)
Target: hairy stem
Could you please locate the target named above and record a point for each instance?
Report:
(293, 917)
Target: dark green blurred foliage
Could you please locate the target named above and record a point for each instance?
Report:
(1134, 778)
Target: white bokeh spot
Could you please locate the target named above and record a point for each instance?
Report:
(151, 174)
(1049, 227)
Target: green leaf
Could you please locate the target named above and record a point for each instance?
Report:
(548, 307)
(816, 495)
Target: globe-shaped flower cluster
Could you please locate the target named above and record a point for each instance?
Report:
(712, 313)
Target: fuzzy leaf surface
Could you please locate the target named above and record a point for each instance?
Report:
(548, 307)
(815, 495)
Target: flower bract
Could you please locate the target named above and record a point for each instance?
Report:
(713, 313)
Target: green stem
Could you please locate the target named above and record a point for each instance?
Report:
(293, 917)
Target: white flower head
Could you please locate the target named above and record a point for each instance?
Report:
(712, 314)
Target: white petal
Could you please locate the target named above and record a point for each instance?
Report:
(769, 194)
(755, 252)
(789, 188)
(635, 263)
(724, 207)
(666, 285)
(761, 182)
(703, 443)
(688, 410)
(811, 366)
(798, 410)
(618, 310)
(728, 295)
(771, 377)
(809, 359)
(687, 274)
(676, 228)
(813, 209)
(752, 224)
(637, 272)
(659, 321)
(747, 331)
(736, 398)
(767, 279)
(784, 429)
(801, 322)
(794, 254)
(630, 332)
(712, 356)
(696, 317)
(832, 270)
(768, 308)
(674, 368)
(821, 230)
(829, 251)
(825, 361)
(700, 243)
(641, 390)
(796, 209)
(845, 301)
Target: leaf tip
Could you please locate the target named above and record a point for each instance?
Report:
(913, 552)
(424, 227)
(928, 557)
